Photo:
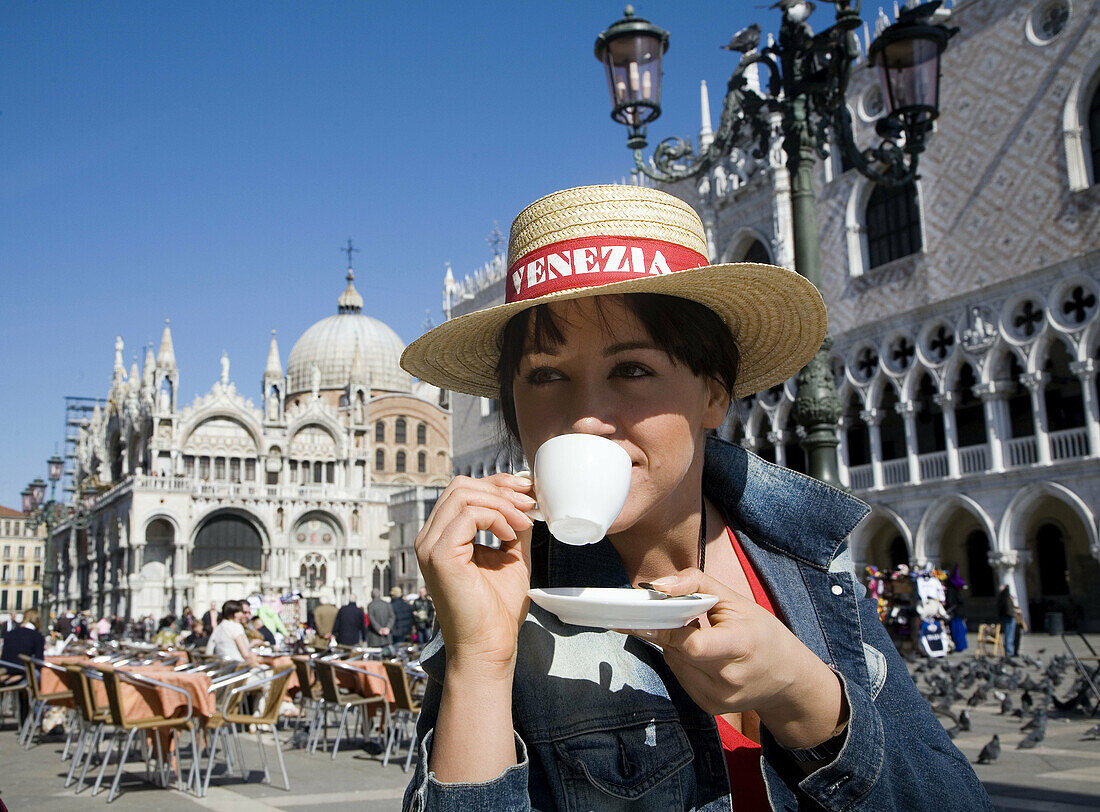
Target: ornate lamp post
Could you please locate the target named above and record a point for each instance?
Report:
(807, 82)
(50, 512)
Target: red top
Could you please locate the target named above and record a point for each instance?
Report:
(742, 753)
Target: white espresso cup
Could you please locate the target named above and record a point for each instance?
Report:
(581, 484)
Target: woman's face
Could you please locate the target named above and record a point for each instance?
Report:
(608, 378)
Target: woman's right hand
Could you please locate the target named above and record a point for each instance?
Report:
(480, 594)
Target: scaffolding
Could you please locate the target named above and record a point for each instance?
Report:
(78, 413)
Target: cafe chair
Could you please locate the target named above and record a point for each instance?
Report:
(406, 709)
(13, 681)
(40, 701)
(113, 681)
(333, 696)
(93, 721)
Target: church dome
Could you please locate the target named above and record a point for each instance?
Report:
(331, 344)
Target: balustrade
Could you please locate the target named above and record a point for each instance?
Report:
(1021, 451)
(862, 477)
(933, 465)
(974, 459)
(1069, 443)
(895, 472)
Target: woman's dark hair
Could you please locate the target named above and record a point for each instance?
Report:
(689, 333)
(230, 608)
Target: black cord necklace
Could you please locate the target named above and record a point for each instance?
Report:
(703, 534)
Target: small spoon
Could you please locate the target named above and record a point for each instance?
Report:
(661, 595)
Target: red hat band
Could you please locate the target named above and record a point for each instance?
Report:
(593, 261)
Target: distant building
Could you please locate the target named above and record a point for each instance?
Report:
(223, 498)
(21, 546)
(963, 308)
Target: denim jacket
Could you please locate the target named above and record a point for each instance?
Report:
(602, 723)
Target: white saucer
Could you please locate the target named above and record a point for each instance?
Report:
(621, 608)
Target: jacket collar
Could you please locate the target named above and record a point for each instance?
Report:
(782, 510)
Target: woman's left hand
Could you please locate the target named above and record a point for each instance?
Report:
(746, 659)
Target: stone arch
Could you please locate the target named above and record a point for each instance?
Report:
(873, 542)
(229, 534)
(312, 524)
(740, 244)
(938, 519)
(855, 225)
(1051, 503)
(224, 414)
(1075, 114)
(159, 534)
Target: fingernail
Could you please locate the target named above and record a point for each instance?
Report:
(667, 580)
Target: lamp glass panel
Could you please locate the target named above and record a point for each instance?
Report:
(633, 66)
(908, 71)
(38, 493)
(28, 502)
(55, 468)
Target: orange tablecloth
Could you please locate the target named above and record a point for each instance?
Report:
(51, 682)
(152, 700)
(281, 662)
(362, 683)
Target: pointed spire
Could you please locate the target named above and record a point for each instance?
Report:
(120, 365)
(166, 358)
(147, 367)
(706, 135)
(274, 368)
(350, 301)
(358, 373)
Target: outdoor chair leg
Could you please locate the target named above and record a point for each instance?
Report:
(76, 755)
(122, 764)
(210, 760)
(282, 764)
(263, 753)
(339, 731)
(106, 761)
(390, 735)
(74, 720)
(412, 749)
(97, 736)
(240, 752)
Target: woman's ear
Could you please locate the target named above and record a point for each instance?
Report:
(717, 405)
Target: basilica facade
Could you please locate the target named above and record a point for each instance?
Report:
(963, 309)
(226, 497)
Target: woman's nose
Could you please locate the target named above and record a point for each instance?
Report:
(591, 413)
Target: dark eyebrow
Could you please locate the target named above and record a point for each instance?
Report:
(629, 345)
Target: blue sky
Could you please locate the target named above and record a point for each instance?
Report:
(204, 161)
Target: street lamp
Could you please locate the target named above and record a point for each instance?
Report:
(807, 84)
(48, 512)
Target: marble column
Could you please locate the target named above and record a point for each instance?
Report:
(908, 411)
(873, 418)
(1034, 383)
(776, 439)
(1086, 374)
(997, 426)
(1009, 567)
(946, 401)
(842, 452)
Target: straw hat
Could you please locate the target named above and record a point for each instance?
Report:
(597, 240)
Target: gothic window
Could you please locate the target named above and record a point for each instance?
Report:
(893, 224)
(1021, 421)
(204, 468)
(318, 473)
(421, 434)
(1062, 391)
(379, 460)
(866, 364)
(399, 462)
(859, 441)
(234, 470)
(892, 428)
(421, 463)
(399, 430)
(1078, 305)
(379, 432)
(189, 466)
(219, 469)
(902, 351)
(969, 412)
(250, 470)
(1027, 318)
(929, 418)
(330, 472)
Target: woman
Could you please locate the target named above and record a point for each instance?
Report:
(788, 692)
(228, 639)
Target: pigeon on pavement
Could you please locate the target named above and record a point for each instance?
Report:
(1033, 738)
(991, 751)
